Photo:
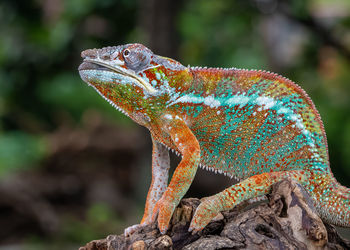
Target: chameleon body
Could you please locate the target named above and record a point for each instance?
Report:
(256, 126)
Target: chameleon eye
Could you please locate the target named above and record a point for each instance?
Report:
(126, 53)
(136, 58)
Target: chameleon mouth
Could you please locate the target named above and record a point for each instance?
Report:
(91, 64)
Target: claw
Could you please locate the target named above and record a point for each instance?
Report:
(132, 229)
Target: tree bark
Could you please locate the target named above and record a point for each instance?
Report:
(287, 221)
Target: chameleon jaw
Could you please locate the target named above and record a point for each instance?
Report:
(115, 66)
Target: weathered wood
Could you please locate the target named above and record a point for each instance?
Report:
(288, 221)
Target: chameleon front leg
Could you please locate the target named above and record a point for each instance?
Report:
(160, 174)
(254, 186)
(187, 144)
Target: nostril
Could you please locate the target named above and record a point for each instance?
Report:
(91, 53)
(105, 56)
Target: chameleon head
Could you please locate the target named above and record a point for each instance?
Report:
(119, 65)
(129, 76)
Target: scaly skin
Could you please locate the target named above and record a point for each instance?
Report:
(255, 126)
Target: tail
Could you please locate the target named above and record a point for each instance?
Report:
(332, 200)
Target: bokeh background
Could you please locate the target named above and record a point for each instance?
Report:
(73, 169)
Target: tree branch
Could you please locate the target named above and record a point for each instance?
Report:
(286, 222)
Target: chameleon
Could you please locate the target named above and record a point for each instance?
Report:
(252, 125)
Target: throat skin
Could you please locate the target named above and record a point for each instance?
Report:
(252, 125)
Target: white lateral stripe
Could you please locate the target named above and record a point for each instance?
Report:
(238, 100)
(267, 102)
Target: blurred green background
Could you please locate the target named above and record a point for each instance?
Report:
(72, 169)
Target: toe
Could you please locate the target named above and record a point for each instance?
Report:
(132, 229)
(164, 217)
(203, 215)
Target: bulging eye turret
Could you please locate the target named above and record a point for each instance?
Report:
(136, 57)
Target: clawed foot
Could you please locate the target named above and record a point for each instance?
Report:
(205, 212)
(163, 210)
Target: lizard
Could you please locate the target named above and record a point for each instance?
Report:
(253, 125)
